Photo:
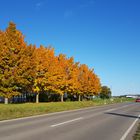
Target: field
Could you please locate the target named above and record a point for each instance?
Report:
(12, 111)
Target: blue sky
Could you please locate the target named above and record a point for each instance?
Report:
(104, 34)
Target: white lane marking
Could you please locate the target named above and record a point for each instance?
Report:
(111, 110)
(129, 129)
(106, 111)
(67, 122)
(116, 108)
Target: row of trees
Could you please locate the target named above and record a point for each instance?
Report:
(26, 68)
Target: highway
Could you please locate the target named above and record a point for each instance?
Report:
(109, 122)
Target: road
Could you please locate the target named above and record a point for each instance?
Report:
(109, 122)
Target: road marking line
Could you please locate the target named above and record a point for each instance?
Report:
(111, 110)
(66, 122)
(116, 108)
(129, 129)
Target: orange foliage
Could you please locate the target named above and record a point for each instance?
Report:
(24, 67)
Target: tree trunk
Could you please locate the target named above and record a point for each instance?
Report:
(37, 98)
(62, 98)
(5, 100)
(79, 98)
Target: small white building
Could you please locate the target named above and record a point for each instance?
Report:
(132, 96)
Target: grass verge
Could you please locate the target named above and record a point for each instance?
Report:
(137, 134)
(12, 111)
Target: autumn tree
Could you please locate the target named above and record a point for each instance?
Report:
(72, 74)
(83, 81)
(68, 75)
(60, 82)
(15, 62)
(89, 83)
(94, 85)
(45, 60)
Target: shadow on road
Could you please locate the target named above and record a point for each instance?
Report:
(122, 115)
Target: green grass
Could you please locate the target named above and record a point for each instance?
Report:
(12, 111)
(137, 134)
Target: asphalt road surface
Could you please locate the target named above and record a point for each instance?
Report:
(110, 122)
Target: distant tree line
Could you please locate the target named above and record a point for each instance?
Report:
(36, 70)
